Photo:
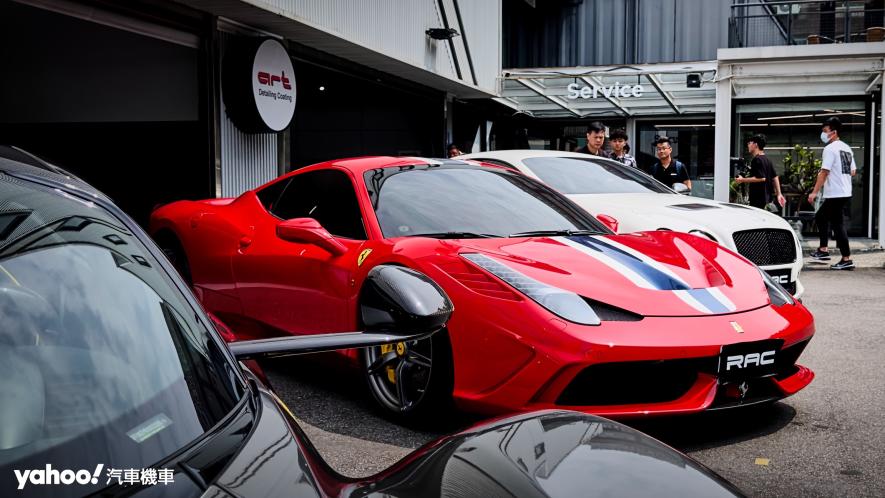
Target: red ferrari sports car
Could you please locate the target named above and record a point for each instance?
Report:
(552, 309)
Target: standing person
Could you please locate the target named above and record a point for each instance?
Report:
(595, 140)
(764, 185)
(454, 151)
(836, 170)
(618, 140)
(667, 170)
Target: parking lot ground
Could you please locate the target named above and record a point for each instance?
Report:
(828, 440)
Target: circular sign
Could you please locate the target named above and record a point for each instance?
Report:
(273, 85)
(259, 85)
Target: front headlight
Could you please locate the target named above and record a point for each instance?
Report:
(560, 302)
(706, 235)
(776, 292)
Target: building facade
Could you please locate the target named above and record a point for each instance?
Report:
(707, 75)
(132, 96)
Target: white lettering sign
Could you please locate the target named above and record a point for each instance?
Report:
(576, 91)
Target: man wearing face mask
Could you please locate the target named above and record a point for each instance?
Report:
(836, 170)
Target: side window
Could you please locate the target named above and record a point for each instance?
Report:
(271, 194)
(326, 196)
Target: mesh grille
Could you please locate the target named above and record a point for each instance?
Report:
(766, 246)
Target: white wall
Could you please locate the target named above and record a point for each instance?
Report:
(396, 28)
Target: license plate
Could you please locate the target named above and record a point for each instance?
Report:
(782, 276)
(749, 360)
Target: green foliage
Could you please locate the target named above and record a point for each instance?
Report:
(737, 192)
(800, 172)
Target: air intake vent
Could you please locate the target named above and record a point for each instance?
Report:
(608, 313)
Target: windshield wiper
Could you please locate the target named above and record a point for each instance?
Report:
(457, 235)
(555, 233)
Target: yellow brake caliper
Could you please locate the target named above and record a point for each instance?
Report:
(400, 350)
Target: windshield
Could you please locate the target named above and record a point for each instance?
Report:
(102, 360)
(468, 201)
(572, 175)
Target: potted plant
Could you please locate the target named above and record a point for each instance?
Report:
(800, 172)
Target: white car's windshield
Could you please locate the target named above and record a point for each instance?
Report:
(573, 175)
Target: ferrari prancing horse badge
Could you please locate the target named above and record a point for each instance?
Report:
(362, 257)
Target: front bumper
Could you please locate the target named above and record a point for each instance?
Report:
(658, 365)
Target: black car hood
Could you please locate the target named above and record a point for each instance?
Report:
(539, 454)
(542, 454)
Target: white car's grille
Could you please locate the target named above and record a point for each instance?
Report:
(766, 246)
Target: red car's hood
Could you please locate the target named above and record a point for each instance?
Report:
(649, 273)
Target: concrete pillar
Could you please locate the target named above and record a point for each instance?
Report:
(722, 149)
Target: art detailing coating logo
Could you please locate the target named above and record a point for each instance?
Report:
(269, 79)
(272, 88)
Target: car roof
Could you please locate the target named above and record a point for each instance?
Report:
(19, 162)
(359, 165)
(512, 155)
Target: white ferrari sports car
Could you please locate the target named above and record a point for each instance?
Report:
(628, 200)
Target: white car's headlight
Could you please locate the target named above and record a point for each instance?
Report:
(776, 292)
(560, 302)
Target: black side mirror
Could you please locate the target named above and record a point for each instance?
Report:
(396, 304)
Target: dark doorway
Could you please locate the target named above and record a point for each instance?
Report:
(341, 114)
(118, 109)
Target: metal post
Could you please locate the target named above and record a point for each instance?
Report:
(847, 15)
(722, 134)
(881, 163)
(790, 26)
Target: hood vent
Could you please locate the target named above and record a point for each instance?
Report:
(734, 206)
(693, 206)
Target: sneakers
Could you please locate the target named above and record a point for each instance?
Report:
(843, 265)
(820, 255)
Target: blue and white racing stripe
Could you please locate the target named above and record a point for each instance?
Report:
(647, 273)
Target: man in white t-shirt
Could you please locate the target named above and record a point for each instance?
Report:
(836, 171)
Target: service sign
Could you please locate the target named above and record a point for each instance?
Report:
(617, 90)
(273, 85)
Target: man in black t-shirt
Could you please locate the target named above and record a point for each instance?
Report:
(764, 186)
(595, 140)
(667, 170)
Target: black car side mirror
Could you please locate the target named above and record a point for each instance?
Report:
(396, 304)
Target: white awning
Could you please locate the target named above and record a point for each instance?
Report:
(635, 90)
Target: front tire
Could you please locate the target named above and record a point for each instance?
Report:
(411, 381)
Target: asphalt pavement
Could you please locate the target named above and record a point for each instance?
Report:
(828, 440)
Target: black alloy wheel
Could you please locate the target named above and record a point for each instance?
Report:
(411, 379)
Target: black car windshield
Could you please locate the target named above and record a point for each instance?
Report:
(573, 175)
(102, 359)
(462, 201)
